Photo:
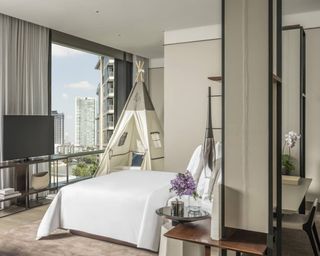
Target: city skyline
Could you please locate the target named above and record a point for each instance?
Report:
(73, 75)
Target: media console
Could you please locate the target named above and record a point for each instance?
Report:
(20, 172)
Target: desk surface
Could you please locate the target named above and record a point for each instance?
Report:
(236, 240)
(292, 195)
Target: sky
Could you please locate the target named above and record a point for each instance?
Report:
(73, 74)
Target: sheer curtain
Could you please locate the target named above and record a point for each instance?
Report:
(24, 56)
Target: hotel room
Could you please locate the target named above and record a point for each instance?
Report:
(170, 128)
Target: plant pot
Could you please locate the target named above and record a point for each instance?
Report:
(177, 208)
(285, 171)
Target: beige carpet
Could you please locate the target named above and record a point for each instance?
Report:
(21, 242)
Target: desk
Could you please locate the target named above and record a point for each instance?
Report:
(292, 195)
(240, 241)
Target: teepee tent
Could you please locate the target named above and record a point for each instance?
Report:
(138, 136)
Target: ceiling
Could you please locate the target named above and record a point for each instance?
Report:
(134, 26)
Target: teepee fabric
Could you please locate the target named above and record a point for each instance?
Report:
(137, 133)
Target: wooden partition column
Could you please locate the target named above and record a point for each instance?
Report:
(251, 78)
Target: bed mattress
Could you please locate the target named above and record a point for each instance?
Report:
(120, 206)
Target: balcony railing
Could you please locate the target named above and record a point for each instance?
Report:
(74, 167)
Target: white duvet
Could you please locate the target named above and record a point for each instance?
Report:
(120, 206)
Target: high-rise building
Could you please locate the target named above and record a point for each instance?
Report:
(106, 102)
(85, 130)
(58, 127)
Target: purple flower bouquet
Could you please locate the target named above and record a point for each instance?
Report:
(184, 184)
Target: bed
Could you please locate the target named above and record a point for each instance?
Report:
(120, 206)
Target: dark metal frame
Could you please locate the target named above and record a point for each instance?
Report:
(302, 110)
(278, 232)
(270, 236)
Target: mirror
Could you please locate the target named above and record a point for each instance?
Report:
(293, 100)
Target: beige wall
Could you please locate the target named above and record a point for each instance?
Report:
(156, 85)
(187, 68)
(313, 111)
(246, 114)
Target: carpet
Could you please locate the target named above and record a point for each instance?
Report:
(21, 242)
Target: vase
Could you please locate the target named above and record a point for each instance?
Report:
(177, 208)
(194, 204)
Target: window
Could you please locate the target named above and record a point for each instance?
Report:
(122, 139)
(110, 90)
(75, 83)
(155, 136)
(77, 77)
(82, 84)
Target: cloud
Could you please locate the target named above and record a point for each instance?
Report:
(65, 96)
(82, 85)
(61, 51)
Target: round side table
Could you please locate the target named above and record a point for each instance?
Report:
(187, 215)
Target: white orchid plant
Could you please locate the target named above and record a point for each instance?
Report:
(290, 140)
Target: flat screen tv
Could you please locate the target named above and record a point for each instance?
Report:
(27, 136)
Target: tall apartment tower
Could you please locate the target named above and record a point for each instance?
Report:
(58, 127)
(106, 101)
(85, 129)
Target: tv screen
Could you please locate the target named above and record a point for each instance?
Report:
(27, 136)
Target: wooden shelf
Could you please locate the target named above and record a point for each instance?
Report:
(243, 241)
(11, 210)
(11, 198)
(215, 78)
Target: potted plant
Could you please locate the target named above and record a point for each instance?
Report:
(287, 161)
(182, 185)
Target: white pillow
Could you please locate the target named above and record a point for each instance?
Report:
(195, 160)
(218, 147)
(204, 180)
(209, 185)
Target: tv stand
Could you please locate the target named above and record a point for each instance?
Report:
(21, 169)
(21, 173)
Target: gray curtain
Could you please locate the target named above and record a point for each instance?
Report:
(24, 56)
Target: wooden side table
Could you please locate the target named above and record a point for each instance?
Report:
(240, 241)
